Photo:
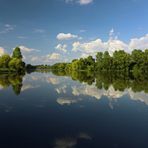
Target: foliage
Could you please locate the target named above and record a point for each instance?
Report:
(135, 63)
(12, 64)
(17, 53)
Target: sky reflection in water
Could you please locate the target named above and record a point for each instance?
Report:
(55, 111)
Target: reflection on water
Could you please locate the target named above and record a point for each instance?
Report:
(96, 86)
(15, 81)
(69, 142)
(73, 110)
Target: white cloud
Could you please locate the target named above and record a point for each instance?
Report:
(68, 36)
(67, 101)
(29, 54)
(89, 47)
(84, 55)
(54, 56)
(45, 59)
(81, 2)
(139, 43)
(34, 58)
(62, 47)
(26, 49)
(2, 51)
(85, 2)
(111, 45)
(7, 28)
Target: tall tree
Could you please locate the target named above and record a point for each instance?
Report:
(17, 53)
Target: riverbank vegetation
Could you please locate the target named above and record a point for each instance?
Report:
(14, 63)
(135, 63)
(121, 61)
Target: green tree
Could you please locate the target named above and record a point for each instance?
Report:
(16, 64)
(99, 60)
(107, 62)
(4, 60)
(17, 53)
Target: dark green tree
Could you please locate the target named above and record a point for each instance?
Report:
(17, 53)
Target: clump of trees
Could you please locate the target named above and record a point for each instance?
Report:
(121, 61)
(12, 63)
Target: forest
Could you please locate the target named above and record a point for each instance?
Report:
(135, 63)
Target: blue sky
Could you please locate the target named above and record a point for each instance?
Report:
(50, 31)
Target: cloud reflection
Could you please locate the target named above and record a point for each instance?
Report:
(67, 101)
(69, 142)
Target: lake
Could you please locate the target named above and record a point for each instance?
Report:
(43, 110)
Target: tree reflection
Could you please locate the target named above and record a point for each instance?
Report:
(13, 80)
(120, 81)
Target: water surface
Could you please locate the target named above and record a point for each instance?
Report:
(43, 110)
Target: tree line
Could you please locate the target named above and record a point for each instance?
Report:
(135, 62)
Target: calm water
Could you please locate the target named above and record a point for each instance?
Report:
(41, 110)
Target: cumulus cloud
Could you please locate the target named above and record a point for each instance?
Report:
(62, 47)
(2, 51)
(68, 36)
(139, 43)
(54, 56)
(88, 47)
(30, 56)
(45, 59)
(111, 45)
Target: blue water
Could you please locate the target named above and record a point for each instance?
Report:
(57, 112)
